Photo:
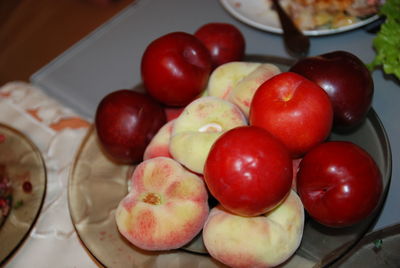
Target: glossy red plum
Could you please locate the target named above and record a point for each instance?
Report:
(248, 171)
(126, 121)
(175, 68)
(339, 183)
(225, 42)
(294, 109)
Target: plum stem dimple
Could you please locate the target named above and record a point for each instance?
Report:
(152, 199)
(211, 127)
(287, 97)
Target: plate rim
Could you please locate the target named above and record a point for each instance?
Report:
(23, 238)
(277, 30)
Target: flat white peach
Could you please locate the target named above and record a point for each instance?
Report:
(165, 208)
(238, 81)
(226, 76)
(199, 126)
(261, 241)
(159, 144)
(243, 91)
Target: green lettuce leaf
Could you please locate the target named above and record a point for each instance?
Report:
(387, 41)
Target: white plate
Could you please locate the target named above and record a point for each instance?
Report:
(257, 13)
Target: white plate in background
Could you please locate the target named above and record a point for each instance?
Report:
(257, 13)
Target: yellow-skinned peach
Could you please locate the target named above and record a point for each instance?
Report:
(262, 241)
(242, 93)
(199, 126)
(159, 145)
(226, 76)
(165, 208)
(238, 81)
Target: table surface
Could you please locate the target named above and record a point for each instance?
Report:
(109, 59)
(34, 32)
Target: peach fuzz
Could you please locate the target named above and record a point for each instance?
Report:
(165, 208)
(261, 241)
(226, 76)
(159, 144)
(243, 92)
(238, 81)
(199, 126)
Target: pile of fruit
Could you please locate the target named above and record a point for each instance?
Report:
(214, 127)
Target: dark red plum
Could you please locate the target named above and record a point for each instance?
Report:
(126, 121)
(347, 81)
(225, 42)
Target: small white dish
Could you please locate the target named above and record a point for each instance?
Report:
(258, 13)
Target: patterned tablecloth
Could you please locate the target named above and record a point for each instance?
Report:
(57, 131)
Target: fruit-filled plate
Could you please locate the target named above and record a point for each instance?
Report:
(22, 188)
(97, 185)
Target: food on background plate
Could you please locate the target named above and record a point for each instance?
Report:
(329, 14)
(5, 194)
